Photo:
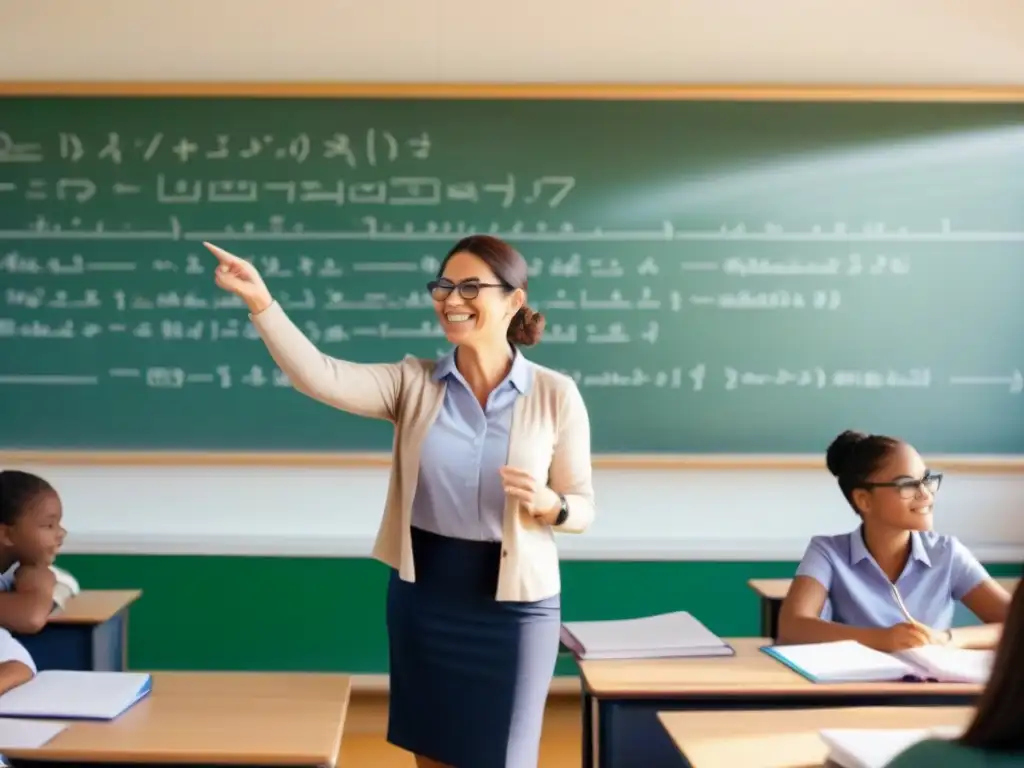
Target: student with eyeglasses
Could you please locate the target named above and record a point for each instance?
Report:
(892, 583)
(491, 459)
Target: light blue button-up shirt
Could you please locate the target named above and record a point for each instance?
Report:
(459, 492)
(938, 573)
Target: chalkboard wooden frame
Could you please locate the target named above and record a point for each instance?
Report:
(991, 465)
(555, 91)
(558, 91)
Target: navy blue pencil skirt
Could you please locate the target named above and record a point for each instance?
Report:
(469, 674)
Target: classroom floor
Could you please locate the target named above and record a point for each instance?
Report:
(364, 741)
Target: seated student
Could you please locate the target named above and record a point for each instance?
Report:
(994, 739)
(16, 664)
(846, 586)
(30, 537)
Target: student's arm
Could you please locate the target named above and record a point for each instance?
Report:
(800, 615)
(27, 608)
(13, 674)
(984, 597)
(16, 664)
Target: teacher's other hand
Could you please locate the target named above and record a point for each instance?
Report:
(539, 500)
(236, 275)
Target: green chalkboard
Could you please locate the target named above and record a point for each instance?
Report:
(720, 277)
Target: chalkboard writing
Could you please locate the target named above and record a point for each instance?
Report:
(737, 277)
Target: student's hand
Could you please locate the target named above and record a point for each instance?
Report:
(241, 278)
(34, 578)
(538, 500)
(906, 635)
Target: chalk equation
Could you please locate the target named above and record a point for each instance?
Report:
(409, 191)
(573, 265)
(695, 379)
(370, 148)
(278, 228)
(331, 300)
(324, 334)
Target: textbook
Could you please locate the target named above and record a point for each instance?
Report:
(59, 694)
(667, 635)
(847, 661)
(27, 734)
(876, 747)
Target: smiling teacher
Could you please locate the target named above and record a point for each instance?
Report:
(491, 457)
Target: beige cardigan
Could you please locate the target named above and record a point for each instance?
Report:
(550, 437)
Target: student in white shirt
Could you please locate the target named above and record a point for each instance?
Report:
(31, 535)
(16, 665)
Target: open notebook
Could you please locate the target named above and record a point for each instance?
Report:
(847, 661)
(667, 635)
(76, 695)
(876, 748)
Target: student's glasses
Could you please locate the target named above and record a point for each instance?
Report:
(908, 488)
(469, 289)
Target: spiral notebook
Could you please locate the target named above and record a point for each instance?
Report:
(60, 694)
(847, 661)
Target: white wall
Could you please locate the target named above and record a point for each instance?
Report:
(849, 41)
(644, 513)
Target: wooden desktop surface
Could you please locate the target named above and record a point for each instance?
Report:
(782, 738)
(94, 606)
(776, 589)
(750, 671)
(222, 718)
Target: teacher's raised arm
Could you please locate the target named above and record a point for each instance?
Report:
(363, 389)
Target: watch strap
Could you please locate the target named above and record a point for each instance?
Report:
(563, 513)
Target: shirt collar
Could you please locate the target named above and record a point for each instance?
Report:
(859, 550)
(520, 375)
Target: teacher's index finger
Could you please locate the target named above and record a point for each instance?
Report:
(222, 256)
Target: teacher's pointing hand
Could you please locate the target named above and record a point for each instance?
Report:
(238, 276)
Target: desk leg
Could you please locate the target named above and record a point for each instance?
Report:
(109, 646)
(770, 617)
(587, 728)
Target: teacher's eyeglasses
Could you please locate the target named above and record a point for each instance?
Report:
(469, 289)
(909, 488)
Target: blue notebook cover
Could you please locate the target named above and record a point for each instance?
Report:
(770, 650)
(896, 672)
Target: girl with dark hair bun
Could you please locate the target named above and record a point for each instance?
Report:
(855, 586)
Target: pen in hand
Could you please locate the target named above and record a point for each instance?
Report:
(906, 613)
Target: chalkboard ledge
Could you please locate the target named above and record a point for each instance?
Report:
(985, 464)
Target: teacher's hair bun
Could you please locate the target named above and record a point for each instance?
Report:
(526, 327)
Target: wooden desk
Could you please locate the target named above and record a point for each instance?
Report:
(773, 591)
(786, 738)
(211, 718)
(621, 699)
(91, 633)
